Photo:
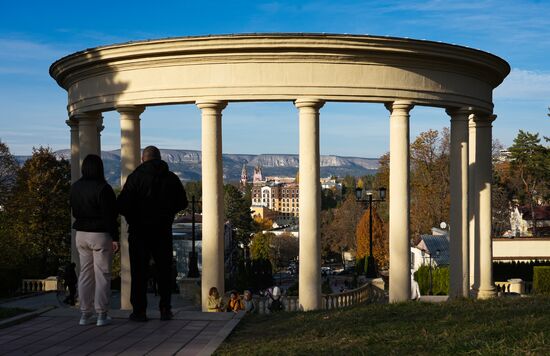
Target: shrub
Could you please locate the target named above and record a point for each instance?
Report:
(440, 278)
(541, 279)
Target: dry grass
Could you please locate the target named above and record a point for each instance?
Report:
(503, 326)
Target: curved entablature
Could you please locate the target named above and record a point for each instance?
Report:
(279, 67)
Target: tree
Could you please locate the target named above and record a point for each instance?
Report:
(237, 211)
(531, 163)
(430, 181)
(328, 199)
(380, 243)
(348, 185)
(194, 189)
(338, 226)
(261, 267)
(8, 173)
(260, 247)
(39, 215)
(262, 224)
(284, 249)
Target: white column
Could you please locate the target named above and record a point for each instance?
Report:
(484, 170)
(472, 203)
(310, 205)
(212, 198)
(75, 175)
(75, 149)
(88, 137)
(400, 259)
(459, 246)
(130, 158)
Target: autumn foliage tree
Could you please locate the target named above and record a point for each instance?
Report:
(430, 181)
(380, 243)
(338, 226)
(262, 224)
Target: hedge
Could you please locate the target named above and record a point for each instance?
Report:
(541, 279)
(440, 279)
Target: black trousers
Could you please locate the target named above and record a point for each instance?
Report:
(144, 243)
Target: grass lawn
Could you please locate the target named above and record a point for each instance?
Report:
(503, 326)
(9, 312)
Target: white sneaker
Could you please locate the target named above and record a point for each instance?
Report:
(86, 319)
(103, 319)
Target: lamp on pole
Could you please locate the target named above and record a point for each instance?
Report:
(437, 252)
(359, 193)
(193, 271)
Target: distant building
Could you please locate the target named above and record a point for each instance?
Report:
(432, 249)
(258, 176)
(244, 178)
(276, 200)
(332, 184)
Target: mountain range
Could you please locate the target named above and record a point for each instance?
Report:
(187, 164)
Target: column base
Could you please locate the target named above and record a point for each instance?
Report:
(486, 293)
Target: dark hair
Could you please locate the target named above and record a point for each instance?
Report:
(150, 152)
(92, 168)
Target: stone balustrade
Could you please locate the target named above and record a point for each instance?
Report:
(41, 285)
(514, 285)
(367, 293)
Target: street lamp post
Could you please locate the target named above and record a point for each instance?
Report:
(193, 271)
(371, 263)
(431, 267)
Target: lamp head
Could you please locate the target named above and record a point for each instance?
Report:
(358, 193)
(382, 193)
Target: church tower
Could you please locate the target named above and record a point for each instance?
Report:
(258, 177)
(244, 178)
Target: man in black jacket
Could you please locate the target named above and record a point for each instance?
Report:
(149, 201)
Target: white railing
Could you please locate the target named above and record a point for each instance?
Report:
(41, 285)
(366, 293)
(515, 285)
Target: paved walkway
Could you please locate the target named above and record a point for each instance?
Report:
(57, 332)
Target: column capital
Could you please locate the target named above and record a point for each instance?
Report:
(218, 105)
(482, 120)
(130, 109)
(460, 114)
(399, 105)
(72, 123)
(87, 118)
(313, 103)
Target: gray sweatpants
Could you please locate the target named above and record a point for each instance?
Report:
(94, 282)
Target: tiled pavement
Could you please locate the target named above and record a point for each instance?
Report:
(57, 332)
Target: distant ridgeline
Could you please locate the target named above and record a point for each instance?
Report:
(187, 164)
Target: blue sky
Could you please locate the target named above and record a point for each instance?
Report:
(33, 34)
